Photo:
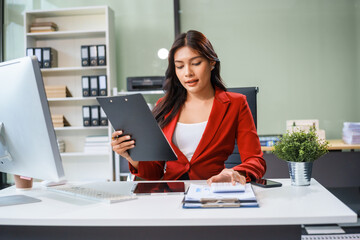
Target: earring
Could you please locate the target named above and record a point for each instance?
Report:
(212, 68)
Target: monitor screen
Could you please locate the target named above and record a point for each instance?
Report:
(28, 145)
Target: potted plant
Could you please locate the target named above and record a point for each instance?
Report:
(300, 149)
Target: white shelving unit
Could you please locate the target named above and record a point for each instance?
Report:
(76, 27)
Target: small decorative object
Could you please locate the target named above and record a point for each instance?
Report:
(23, 183)
(300, 149)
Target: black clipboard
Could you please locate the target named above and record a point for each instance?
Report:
(132, 115)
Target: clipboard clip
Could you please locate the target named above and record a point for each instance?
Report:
(220, 203)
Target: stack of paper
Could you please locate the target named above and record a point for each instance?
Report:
(59, 121)
(43, 27)
(351, 132)
(60, 91)
(97, 144)
(201, 196)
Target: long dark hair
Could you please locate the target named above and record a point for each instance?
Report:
(175, 93)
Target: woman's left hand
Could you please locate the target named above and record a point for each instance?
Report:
(228, 175)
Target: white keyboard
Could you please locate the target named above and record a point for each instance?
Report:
(90, 194)
(226, 187)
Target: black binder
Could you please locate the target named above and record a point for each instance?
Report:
(102, 85)
(85, 60)
(49, 57)
(101, 54)
(93, 55)
(85, 82)
(95, 115)
(103, 118)
(94, 86)
(86, 116)
(39, 55)
(30, 52)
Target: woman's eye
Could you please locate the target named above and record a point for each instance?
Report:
(197, 64)
(179, 67)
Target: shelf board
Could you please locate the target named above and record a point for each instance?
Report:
(80, 128)
(83, 154)
(72, 69)
(68, 34)
(141, 92)
(71, 99)
(68, 11)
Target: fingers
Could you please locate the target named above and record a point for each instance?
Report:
(228, 175)
(121, 143)
(116, 134)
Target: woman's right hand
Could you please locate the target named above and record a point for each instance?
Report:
(121, 143)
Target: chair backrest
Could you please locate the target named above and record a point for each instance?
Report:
(250, 93)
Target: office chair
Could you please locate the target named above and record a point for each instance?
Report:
(250, 93)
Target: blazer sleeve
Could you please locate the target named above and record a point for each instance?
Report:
(152, 170)
(252, 162)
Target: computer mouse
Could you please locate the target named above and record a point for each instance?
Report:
(49, 183)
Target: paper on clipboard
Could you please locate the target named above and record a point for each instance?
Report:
(202, 196)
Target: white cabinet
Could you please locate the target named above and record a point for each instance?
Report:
(77, 27)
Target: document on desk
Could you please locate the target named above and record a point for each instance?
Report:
(201, 196)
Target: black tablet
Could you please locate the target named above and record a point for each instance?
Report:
(159, 188)
(132, 115)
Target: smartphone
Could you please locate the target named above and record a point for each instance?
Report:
(266, 183)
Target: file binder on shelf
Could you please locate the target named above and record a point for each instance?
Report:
(49, 57)
(93, 55)
(94, 86)
(46, 56)
(95, 116)
(85, 61)
(30, 52)
(101, 55)
(102, 85)
(86, 116)
(103, 118)
(201, 196)
(85, 82)
(39, 54)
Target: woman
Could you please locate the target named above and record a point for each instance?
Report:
(200, 120)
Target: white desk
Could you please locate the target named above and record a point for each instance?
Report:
(281, 209)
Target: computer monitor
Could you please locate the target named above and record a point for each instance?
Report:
(28, 145)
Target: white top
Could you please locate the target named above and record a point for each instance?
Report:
(286, 205)
(187, 137)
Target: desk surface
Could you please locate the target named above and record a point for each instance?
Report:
(334, 144)
(287, 205)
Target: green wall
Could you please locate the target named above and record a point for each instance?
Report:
(302, 54)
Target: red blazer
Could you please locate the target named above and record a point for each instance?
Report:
(230, 119)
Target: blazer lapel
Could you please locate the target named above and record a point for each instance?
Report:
(219, 108)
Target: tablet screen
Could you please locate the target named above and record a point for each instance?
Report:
(159, 187)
